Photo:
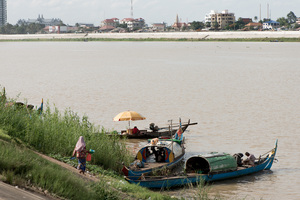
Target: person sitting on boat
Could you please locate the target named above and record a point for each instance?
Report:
(238, 158)
(160, 155)
(137, 163)
(249, 160)
(135, 131)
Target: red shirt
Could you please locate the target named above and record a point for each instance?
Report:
(135, 130)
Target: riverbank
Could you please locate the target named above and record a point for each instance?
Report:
(293, 36)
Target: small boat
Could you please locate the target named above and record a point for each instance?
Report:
(156, 155)
(208, 168)
(153, 132)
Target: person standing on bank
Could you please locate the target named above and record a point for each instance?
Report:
(80, 152)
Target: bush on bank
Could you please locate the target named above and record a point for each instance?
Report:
(54, 133)
(22, 167)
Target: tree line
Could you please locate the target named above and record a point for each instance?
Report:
(289, 22)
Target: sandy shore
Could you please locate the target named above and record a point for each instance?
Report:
(171, 35)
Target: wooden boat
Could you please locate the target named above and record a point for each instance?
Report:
(156, 155)
(153, 132)
(208, 168)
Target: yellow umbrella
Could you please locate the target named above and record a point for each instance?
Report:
(128, 116)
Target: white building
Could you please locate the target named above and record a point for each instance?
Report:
(41, 20)
(271, 25)
(160, 27)
(133, 24)
(223, 19)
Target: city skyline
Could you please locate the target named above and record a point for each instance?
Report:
(95, 11)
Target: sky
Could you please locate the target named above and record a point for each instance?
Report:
(153, 11)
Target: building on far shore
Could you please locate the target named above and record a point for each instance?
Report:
(271, 25)
(3, 12)
(254, 26)
(133, 24)
(41, 20)
(60, 29)
(222, 19)
(298, 20)
(246, 20)
(114, 22)
(179, 25)
(159, 27)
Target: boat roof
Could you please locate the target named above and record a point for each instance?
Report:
(211, 162)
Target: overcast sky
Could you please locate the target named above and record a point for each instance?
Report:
(153, 11)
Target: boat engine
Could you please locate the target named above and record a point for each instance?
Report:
(153, 127)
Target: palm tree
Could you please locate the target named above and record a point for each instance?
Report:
(255, 18)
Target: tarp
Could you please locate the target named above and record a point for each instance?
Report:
(212, 162)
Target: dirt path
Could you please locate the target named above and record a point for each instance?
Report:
(70, 168)
(86, 177)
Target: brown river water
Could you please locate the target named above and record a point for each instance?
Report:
(244, 96)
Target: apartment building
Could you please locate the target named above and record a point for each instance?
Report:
(222, 19)
(133, 24)
(3, 12)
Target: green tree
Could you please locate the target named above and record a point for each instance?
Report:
(7, 29)
(123, 26)
(291, 18)
(197, 25)
(208, 24)
(20, 29)
(283, 21)
(255, 18)
(61, 23)
(215, 25)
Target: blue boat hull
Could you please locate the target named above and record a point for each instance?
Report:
(135, 175)
(168, 182)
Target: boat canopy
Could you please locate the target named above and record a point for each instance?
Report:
(166, 149)
(211, 162)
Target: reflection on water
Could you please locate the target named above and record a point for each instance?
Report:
(244, 96)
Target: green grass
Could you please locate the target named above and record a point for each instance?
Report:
(22, 167)
(56, 133)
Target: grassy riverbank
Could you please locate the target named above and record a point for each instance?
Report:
(23, 132)
(22, 167)
(56, 133)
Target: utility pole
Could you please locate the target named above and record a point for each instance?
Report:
(259, 12)
(268, 11)
(131, 9)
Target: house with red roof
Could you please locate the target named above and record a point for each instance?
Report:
(114, 22)
(254, 26)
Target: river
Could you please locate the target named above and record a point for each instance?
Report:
(244, 96)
